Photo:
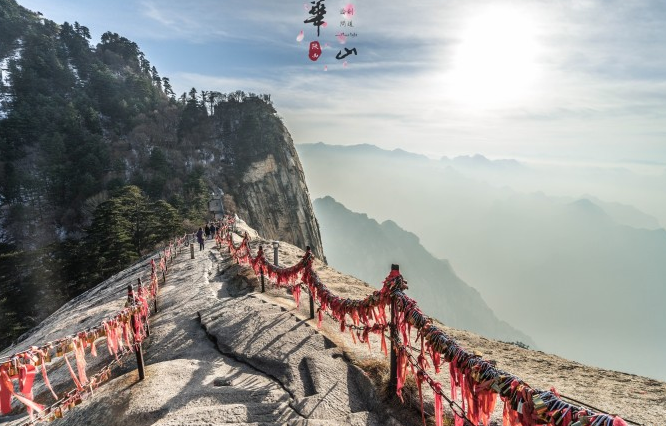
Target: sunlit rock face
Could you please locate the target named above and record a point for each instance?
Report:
(262, 173)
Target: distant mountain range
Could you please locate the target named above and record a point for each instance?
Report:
(576, 267)
(479, 161)
(360, 246)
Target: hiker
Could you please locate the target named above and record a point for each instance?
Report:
(207, 229)
(212, 230)
(200, 238)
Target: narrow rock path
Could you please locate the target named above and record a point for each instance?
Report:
(325, 389)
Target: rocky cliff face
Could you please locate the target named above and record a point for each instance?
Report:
(263, 175)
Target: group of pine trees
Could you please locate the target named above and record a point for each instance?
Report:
(35, 282)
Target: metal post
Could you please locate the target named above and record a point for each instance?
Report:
(191, 250)
(311, 306)
(165, 267)
(260, 253)
(393, 380)
(312, 310)
(139, 356)
(137, 346)
(275, 252)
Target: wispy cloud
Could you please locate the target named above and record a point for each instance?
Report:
(208, 20)
(595, 82)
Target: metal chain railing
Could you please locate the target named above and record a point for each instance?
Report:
(124, 333)
(478, 380)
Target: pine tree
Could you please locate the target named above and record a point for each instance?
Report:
(156, 78)
(168, 90)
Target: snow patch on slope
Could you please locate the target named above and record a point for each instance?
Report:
(6, 80)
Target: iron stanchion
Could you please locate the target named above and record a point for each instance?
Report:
(312, 310)
(260, 254)
(137, 345)
(393, 379)
(139, 356)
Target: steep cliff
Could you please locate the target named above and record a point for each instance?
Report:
(263, 174)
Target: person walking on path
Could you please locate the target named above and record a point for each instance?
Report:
(200, 238)
(207, 230)
(212, 230)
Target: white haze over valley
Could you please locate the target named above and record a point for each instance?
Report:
(574, 255)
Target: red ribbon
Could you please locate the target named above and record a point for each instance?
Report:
(71, 373)
(44, 376)
(438, 404)
(80, 356)
(26, 378)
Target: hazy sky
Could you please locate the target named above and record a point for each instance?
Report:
(566, 79)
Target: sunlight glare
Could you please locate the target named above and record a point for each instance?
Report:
(495, 62)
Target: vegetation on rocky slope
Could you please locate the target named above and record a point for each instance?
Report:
(99, 159)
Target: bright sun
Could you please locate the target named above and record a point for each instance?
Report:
(495, 61)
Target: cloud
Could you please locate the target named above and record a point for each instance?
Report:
(598, 81)
(207, 20)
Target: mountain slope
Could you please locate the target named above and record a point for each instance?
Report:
(366, 249)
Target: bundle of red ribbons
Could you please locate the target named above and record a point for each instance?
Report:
(23, 366)
(122, 332)
(477, 382)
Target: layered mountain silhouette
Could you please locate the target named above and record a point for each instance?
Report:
(360, 246)
(581, 274)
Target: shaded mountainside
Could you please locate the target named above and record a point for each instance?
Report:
(93, 138)
(364, 248)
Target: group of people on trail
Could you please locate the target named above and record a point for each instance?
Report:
(208, 231)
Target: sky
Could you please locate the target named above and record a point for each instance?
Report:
(566, 80)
